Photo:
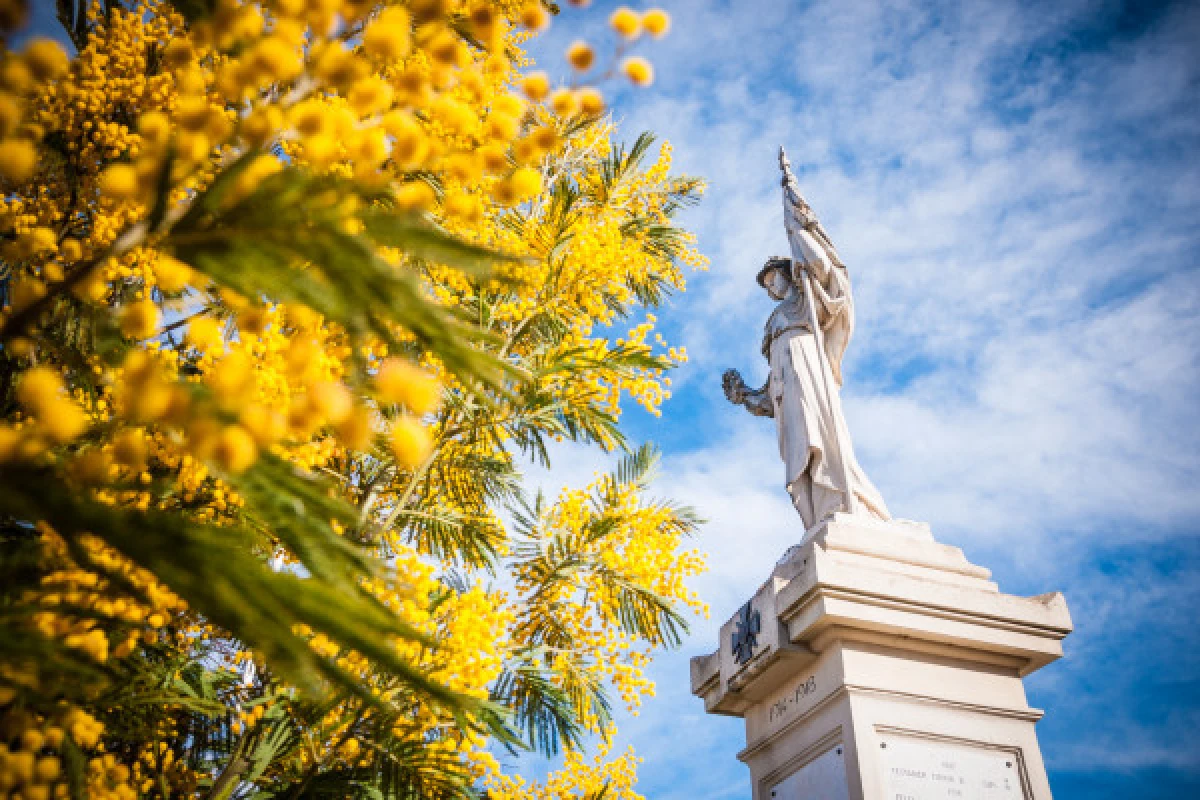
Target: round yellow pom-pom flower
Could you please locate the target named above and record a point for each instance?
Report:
(236, 450)
(483, 21)
(129, 448)
(534, 16)
(46, 59)
(42, 393)
(656, 22)
(332, 400)
(38, 240)
(581, 55)
(463, 206)
(204, 334)
(261, 124)
(18, 158)
(503, 194)
(266, 425)
(120, 182)
(47, 769)
(400, 382)
(410, 442)
(446, 49)
(414, 196)
(494, 158)
(626, 22)
(10, 113)
(92, 467)
(410, 146)
(39, 390)
(526, 182)
(638, 70)
(536, 86)
(178, 54)
(10, 440)
(25, 291)
(66, 422)
(309, 118)
(370, 95)
(155, 128)
(545, 138)
(591, 102)
(171, 274)
(387, 37)
(15, 76)
(564, 102)
(276, 60)
(70, 250)
(355, 430)
(139, 320)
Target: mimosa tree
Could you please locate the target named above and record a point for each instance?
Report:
(292, 291)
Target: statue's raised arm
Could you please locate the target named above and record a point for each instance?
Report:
(798, 214)
(813, 252)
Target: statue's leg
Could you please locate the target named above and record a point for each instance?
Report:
(825, 496)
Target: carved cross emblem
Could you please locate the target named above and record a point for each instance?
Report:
(745, 634)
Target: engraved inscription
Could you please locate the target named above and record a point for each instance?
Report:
(918, 769)
(788, 703)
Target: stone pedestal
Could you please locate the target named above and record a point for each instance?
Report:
(877, 663)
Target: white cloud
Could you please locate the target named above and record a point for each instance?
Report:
(987, 256)
(1017, 205)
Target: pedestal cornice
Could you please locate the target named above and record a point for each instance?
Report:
(881, 584)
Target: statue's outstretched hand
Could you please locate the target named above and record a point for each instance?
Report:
(734, 386)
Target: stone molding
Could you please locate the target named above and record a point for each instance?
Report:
(874, 636)
(880, 584)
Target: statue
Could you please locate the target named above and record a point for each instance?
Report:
(805, 338)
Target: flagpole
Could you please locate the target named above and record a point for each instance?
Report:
(822, 355)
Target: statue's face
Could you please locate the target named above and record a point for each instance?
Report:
(777, 283)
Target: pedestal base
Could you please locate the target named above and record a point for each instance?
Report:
(884, 665)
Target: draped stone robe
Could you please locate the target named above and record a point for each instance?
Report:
(814, 441)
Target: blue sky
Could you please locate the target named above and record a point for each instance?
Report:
(1016, 188)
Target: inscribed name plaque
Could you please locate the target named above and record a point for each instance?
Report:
(823, 778)
(920, 769)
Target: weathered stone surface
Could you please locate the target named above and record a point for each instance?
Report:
(803, 341)
(872, 634)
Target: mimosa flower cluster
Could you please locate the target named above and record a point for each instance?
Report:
(291, 290)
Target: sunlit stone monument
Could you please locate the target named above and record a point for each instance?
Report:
(874, 662)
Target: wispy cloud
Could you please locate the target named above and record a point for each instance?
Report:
(1020, 228)
(1015, 188)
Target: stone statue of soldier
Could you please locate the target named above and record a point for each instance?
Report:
(804, 340)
